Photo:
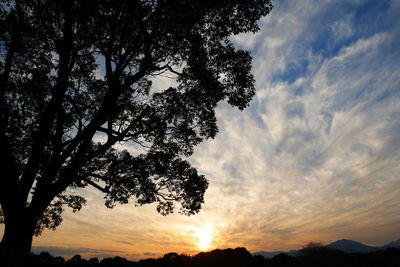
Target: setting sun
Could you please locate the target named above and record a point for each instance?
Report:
(204, 238)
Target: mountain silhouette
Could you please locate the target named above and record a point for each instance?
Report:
(344, 245)
(351, 246)
(268, 255)
(393, 244)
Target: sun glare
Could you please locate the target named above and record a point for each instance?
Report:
(204, 238)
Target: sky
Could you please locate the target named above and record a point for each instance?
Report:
(316, 156)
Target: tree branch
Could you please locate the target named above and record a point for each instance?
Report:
(8, 169)
(96, 186)
(49, 113)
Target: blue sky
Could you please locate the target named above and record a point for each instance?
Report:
(316, 156)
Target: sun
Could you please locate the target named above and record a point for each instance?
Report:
(204, 238)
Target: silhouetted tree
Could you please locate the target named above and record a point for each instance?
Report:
(237, 257)
(282, 259)
(116, 262)
(315, 254)
(93, 261)
(259, 261)
(312, 248)
(60, 118)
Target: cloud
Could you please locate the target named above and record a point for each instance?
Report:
(316, 152)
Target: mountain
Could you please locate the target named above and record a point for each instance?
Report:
(393, 244)
(351, 246)
(268, 255)
(345, 245)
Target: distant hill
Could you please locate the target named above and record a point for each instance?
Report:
(268, 255)
(393, 244)
(345, 245)
(351, 246)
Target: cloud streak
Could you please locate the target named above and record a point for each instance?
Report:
(317, 154)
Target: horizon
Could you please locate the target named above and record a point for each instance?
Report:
(87, 253)
(314, 158)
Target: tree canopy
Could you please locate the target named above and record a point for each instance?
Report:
(76, 83)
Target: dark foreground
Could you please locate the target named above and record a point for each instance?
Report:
(238, 257)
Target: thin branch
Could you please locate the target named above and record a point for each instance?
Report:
(98, 176)
(96, 186)
(110, 132)
(165, 198)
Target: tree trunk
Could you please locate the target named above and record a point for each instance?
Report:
(17, 241)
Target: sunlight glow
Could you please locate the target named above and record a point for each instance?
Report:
(204, 238)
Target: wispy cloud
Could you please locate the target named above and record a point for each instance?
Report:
(317, 154)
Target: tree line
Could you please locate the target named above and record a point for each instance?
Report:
(239, 257)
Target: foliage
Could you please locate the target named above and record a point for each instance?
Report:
(76, 83)
(313, 248)
(52, 215)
